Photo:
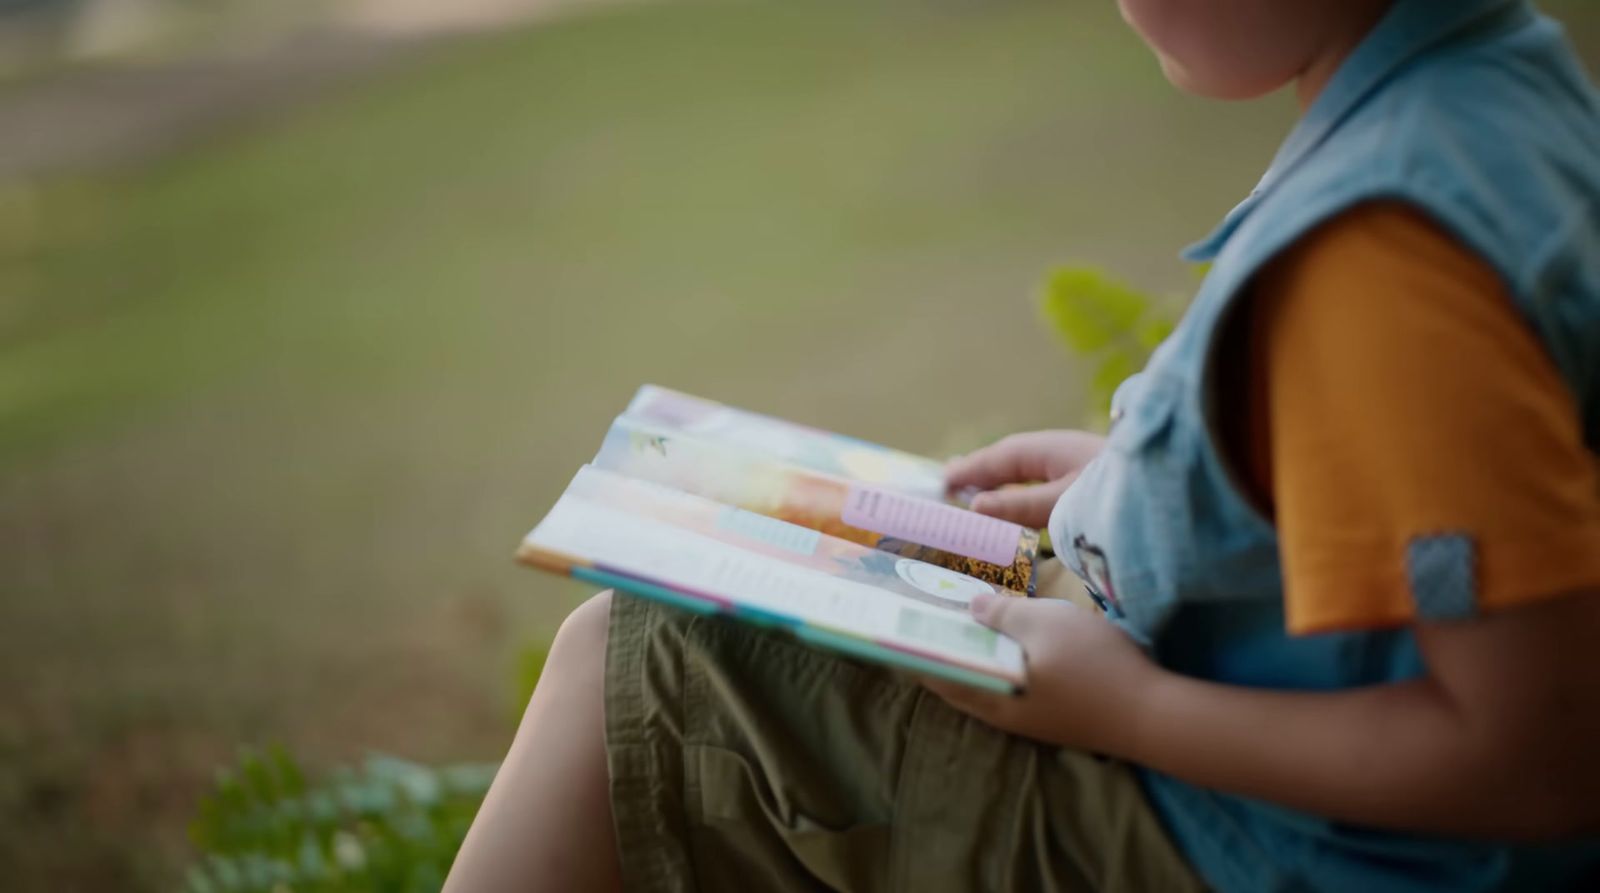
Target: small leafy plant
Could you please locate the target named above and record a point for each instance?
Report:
(1105, 321)
(389, 826)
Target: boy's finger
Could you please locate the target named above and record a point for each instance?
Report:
(1010, 460)
(1028, 506)
(1016, 617)
(998, 612)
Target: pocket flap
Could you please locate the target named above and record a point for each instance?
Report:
(1142, 409)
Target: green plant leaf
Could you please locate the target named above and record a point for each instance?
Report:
(1106, 322)
(1088, 309)
(387, 826)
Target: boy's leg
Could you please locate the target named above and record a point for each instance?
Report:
(546, 822)
(744, 760)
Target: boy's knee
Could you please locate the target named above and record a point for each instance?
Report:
(584, 630)
(572, 680)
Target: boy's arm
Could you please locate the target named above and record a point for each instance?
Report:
(1399, 398)
(1498, 741)
(1393, 397)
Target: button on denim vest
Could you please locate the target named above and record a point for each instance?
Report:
(1477, 113)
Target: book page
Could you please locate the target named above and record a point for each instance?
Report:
(997, 551)
(738, 559)
(932, 524)
(802, 445)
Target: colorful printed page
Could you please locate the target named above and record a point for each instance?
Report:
(806, 447)
(662, 543)
(990, 549)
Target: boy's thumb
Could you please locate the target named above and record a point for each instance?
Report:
(1000, 612)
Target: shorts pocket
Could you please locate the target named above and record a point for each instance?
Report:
(788, 827)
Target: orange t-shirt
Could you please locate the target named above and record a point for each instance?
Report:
(1393, 391)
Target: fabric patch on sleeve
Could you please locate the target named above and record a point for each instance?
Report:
(1443, 577)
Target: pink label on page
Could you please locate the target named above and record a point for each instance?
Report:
(932, 524)
(674, 408)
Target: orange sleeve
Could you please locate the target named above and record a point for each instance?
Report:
(1404, 402)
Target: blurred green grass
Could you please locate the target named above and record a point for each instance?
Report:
(699, 152)
(274, 410)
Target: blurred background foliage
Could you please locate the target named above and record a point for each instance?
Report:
(309, 310)
(390, 826)
(1106, 322)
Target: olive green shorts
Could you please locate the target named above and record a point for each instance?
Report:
(744, 760)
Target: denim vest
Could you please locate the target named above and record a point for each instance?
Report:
(1476, 112)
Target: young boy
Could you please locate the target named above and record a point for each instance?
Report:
(1345, 531)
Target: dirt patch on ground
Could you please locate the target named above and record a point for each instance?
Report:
(101, 117)
(118, 111)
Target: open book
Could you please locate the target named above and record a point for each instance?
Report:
(846, 544)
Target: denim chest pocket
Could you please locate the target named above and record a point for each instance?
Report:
(1128, 520)
(1141, 411)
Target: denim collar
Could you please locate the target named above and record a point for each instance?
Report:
(1409, 29)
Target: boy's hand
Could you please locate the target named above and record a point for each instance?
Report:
(1084, 675)
(1048, 460)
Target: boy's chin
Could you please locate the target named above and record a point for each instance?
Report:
(1216, 87)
